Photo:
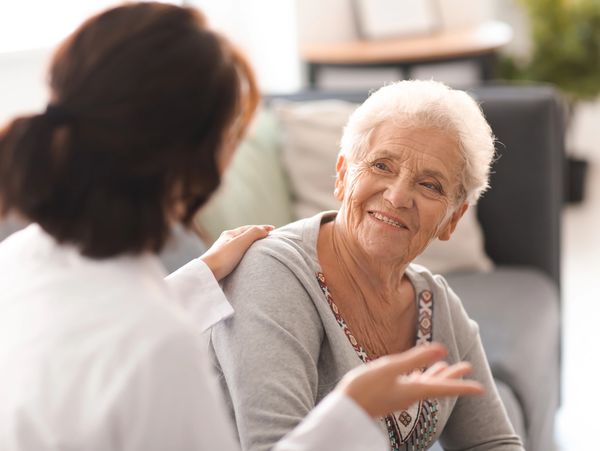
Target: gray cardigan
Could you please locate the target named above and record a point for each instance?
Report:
(283, 350)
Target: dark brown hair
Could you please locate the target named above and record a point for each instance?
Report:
(144, 99)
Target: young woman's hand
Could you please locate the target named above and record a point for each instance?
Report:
(225, 253)
(395, 382)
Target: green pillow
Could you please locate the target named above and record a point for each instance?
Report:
(255, 188)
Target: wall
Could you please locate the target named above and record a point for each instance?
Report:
(22, 82)
(266, 30)
(332, 20)
(29, 29)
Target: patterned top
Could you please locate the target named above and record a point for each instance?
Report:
(283, 345)
(414, 428)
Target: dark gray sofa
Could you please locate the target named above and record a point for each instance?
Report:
(517, 305)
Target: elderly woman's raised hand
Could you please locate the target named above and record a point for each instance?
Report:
(225, 253)
(395, 382)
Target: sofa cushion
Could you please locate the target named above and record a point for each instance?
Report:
(310, 139)
(10, 225)
(311, 133)
(254, 189)
(517, 309)
(182, 246)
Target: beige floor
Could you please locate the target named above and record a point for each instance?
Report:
(577, 420)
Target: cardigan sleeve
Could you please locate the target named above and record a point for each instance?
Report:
(268, 354)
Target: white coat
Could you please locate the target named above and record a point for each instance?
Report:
(107, 355)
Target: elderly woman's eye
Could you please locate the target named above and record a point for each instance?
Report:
(432, 186)
(381, 166)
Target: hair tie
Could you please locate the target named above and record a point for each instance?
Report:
(57, 115)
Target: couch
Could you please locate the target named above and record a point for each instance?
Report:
(512, 290)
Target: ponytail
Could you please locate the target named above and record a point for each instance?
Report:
(31, 150)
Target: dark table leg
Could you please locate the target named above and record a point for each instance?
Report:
(407, 71)
(313, 70)
(487, 66)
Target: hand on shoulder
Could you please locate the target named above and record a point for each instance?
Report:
(227, 251)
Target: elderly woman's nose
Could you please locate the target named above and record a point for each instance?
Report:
(399, 194)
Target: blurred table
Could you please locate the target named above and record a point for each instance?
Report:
(478, 43)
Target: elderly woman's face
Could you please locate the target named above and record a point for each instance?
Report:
(401, 193)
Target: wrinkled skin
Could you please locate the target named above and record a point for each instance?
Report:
(409, 175)
(398, 194)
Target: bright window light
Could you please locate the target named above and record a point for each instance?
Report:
(34, 24)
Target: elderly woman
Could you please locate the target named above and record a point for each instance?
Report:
(337, 290)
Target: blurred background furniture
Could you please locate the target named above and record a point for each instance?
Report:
(479, 43)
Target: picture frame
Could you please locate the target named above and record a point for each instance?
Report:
(380, 19)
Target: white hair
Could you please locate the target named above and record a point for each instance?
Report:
(417, 103)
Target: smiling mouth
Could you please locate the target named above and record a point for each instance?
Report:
(387, 220)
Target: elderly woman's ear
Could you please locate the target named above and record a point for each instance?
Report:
(448, 228)
(340, 170)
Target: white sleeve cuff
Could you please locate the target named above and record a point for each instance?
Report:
(336, 423)
(199, 294)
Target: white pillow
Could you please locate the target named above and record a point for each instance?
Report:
(311, 133)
